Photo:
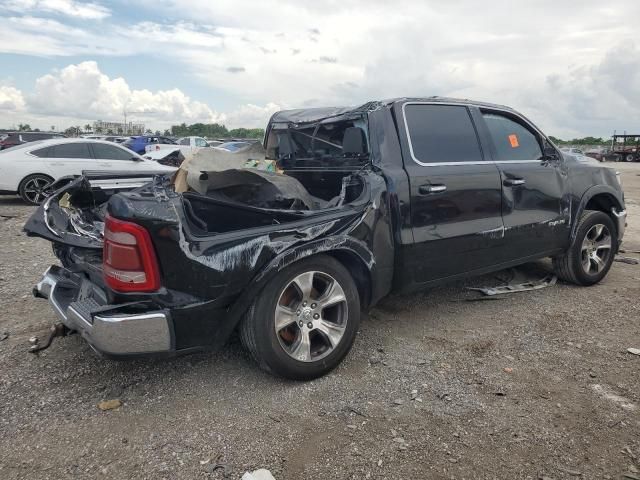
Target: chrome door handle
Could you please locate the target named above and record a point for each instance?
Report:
(514, 182)
(427, 189)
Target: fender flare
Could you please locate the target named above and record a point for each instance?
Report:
(587, 196)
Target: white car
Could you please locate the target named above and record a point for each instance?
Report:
(30, 169)
(184, 144)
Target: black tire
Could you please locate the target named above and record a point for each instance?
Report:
(630, 157)
(258, 331)
(569, 266)
(33, 188)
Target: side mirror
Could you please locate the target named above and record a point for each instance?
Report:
(550, 153)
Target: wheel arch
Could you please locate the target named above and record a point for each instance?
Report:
(600, 198)
(350, 252)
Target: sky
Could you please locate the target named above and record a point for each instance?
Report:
(572, 67)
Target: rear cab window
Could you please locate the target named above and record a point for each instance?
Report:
(440, 134)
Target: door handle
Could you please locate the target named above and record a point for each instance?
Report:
(428, 189)
(514, 182)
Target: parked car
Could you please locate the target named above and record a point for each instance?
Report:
(12, 139)
(184, 144)
(232, 146)
(139, 143)
(391, 196)
(598, 153)
(572, 150)
(29, 169)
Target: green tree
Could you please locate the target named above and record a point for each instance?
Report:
(246, 133)
(87, 128)
(24, 127)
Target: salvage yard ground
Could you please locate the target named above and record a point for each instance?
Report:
(534, 385)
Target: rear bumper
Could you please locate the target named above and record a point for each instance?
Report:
(112, 330)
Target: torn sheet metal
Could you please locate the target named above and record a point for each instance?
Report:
(545, 282)
(320, 115)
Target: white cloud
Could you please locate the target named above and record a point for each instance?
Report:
(550, 59)
(71, 8)
(11, 99)
(80, 93)
(83, 91)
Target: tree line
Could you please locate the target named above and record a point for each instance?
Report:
(581, 141)
(209, 130)
(216, 130)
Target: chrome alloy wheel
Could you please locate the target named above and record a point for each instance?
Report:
(596, 249)
(37, 189)
(311, 316)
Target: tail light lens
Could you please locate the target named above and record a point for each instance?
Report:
(129, 261)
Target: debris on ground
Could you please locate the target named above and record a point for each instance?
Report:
(4, 336)
(260, 474)
(627, 260)
(634, 351)
(547, 281)
(109, 404)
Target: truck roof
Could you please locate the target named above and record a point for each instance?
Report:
(312, 115)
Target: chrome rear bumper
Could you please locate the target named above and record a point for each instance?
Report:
(82, 306)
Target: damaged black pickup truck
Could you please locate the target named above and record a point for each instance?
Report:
(391, 196)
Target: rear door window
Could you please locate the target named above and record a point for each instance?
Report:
(70, 150)
(110, 152)
(441, 134)
(512, 140)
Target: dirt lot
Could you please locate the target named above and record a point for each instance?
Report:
(536, 385)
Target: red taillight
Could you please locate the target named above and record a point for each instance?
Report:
(129, 261)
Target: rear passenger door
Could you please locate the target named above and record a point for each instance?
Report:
(456, 193)
(535, 205)
(67, 158)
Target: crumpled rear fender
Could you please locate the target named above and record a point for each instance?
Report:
(328, 245)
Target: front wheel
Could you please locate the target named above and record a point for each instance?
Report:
(589, 258)
(304, 322)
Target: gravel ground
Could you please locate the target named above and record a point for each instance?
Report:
(535, 385)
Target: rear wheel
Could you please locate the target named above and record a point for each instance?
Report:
(589, 258)
(630, 157)
(304, 322)
(35, 188)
